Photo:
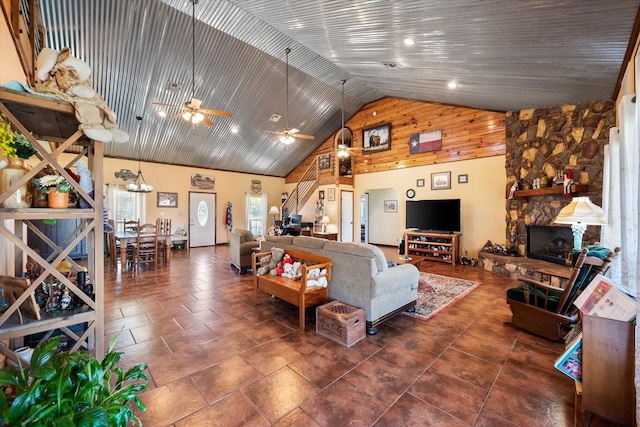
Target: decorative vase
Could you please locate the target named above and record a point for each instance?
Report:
(12, 173)
(58, 200)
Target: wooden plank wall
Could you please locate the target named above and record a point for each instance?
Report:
(467, 133)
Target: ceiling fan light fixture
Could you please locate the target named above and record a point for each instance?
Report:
(187, 116)
(198, 117)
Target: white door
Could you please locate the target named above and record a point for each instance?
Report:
(202, 219)
(346, 216)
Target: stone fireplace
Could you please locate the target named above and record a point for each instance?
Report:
(543, 141)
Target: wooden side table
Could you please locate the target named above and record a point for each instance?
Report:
(328, 236)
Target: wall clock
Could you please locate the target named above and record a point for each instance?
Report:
(411, 193)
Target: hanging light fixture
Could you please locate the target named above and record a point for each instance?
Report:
(139, 185)
(343, 152)
(193, 117)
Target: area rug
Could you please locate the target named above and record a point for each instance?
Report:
(436, 293)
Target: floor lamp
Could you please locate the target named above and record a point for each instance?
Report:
(580, 213)
(274, 211)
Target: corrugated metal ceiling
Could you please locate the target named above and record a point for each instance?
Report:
(504, 56)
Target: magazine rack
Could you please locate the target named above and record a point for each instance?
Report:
(543, 309)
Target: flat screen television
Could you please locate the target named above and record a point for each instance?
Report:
(434, 215)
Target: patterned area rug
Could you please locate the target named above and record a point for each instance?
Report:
(436, 293)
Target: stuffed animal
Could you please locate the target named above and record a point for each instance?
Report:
(274, 262)
(316, 278)
(67, 77)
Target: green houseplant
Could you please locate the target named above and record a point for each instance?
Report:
(14, 144)
(71, 389)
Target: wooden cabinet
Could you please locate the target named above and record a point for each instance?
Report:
(608, 369)
(441, 247)
(54, 120)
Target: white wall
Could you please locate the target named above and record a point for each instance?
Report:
(482, 198)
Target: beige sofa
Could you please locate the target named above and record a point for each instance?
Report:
(360, 276)
(241, 244)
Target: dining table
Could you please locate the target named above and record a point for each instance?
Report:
(126, 237)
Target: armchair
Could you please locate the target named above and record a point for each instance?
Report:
(241, 244)
(547, 310)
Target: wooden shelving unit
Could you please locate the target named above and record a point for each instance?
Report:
(53, 120)
(442, 247)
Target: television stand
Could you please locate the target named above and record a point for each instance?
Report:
(433, 246)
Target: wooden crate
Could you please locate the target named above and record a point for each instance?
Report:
(340, 322)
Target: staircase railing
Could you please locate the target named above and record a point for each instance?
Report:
(305, 187)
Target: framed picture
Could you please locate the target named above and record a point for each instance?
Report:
(420, 182)
(376, 139)
(167, 200)
(441, 181)
(321, 194)
(331, 194)
(425, 142)
(391, 206)
(463, 179)
(324, 161)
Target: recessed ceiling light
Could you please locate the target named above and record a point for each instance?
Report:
(234, 130)
(409, 41)
(452, 85)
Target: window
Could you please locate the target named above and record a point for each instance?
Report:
(256, 213)
(125, 205)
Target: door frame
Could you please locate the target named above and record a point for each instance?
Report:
(215, 218)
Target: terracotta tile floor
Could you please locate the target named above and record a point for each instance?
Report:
(215, 359)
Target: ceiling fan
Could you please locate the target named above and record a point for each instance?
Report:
(192, 110)
(288, 136)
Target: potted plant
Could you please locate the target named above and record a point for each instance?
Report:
(57, 188)
(71, 389)
(15, 147)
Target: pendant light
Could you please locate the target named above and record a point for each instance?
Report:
(139, 185)
(342, 149)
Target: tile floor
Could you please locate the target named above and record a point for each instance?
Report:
(215, 359)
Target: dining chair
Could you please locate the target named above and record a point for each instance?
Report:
(113, 246)
(163, 226)
(146, 246)
(130, 226)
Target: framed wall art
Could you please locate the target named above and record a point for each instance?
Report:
(420, 182)
(203, 182)
(391, 206)
(463, 179)
(324, 161)
(167, 200)
(425, 142)
(321, 194)
(441, 181)
(331, 194)
(376, 139)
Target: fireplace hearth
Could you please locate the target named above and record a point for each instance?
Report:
(549, 243)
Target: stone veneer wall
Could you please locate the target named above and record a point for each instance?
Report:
(544, 140)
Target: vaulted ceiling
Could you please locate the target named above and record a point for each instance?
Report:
(503, 55)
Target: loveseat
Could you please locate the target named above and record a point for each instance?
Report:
(241, 244)
(360, 276)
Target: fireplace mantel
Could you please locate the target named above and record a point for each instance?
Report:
(556, 189)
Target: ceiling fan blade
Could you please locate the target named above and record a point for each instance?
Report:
(207, 121)
(170, 105)
(299, 135)
(215, 112)
(294, 130)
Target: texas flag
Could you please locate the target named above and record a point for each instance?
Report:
(425, 141)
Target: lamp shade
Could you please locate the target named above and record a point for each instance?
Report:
(274, 210)
(325, 220)
(581, 210)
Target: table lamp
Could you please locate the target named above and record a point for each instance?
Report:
(324, 222)
(580, 213)
(274, 211)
